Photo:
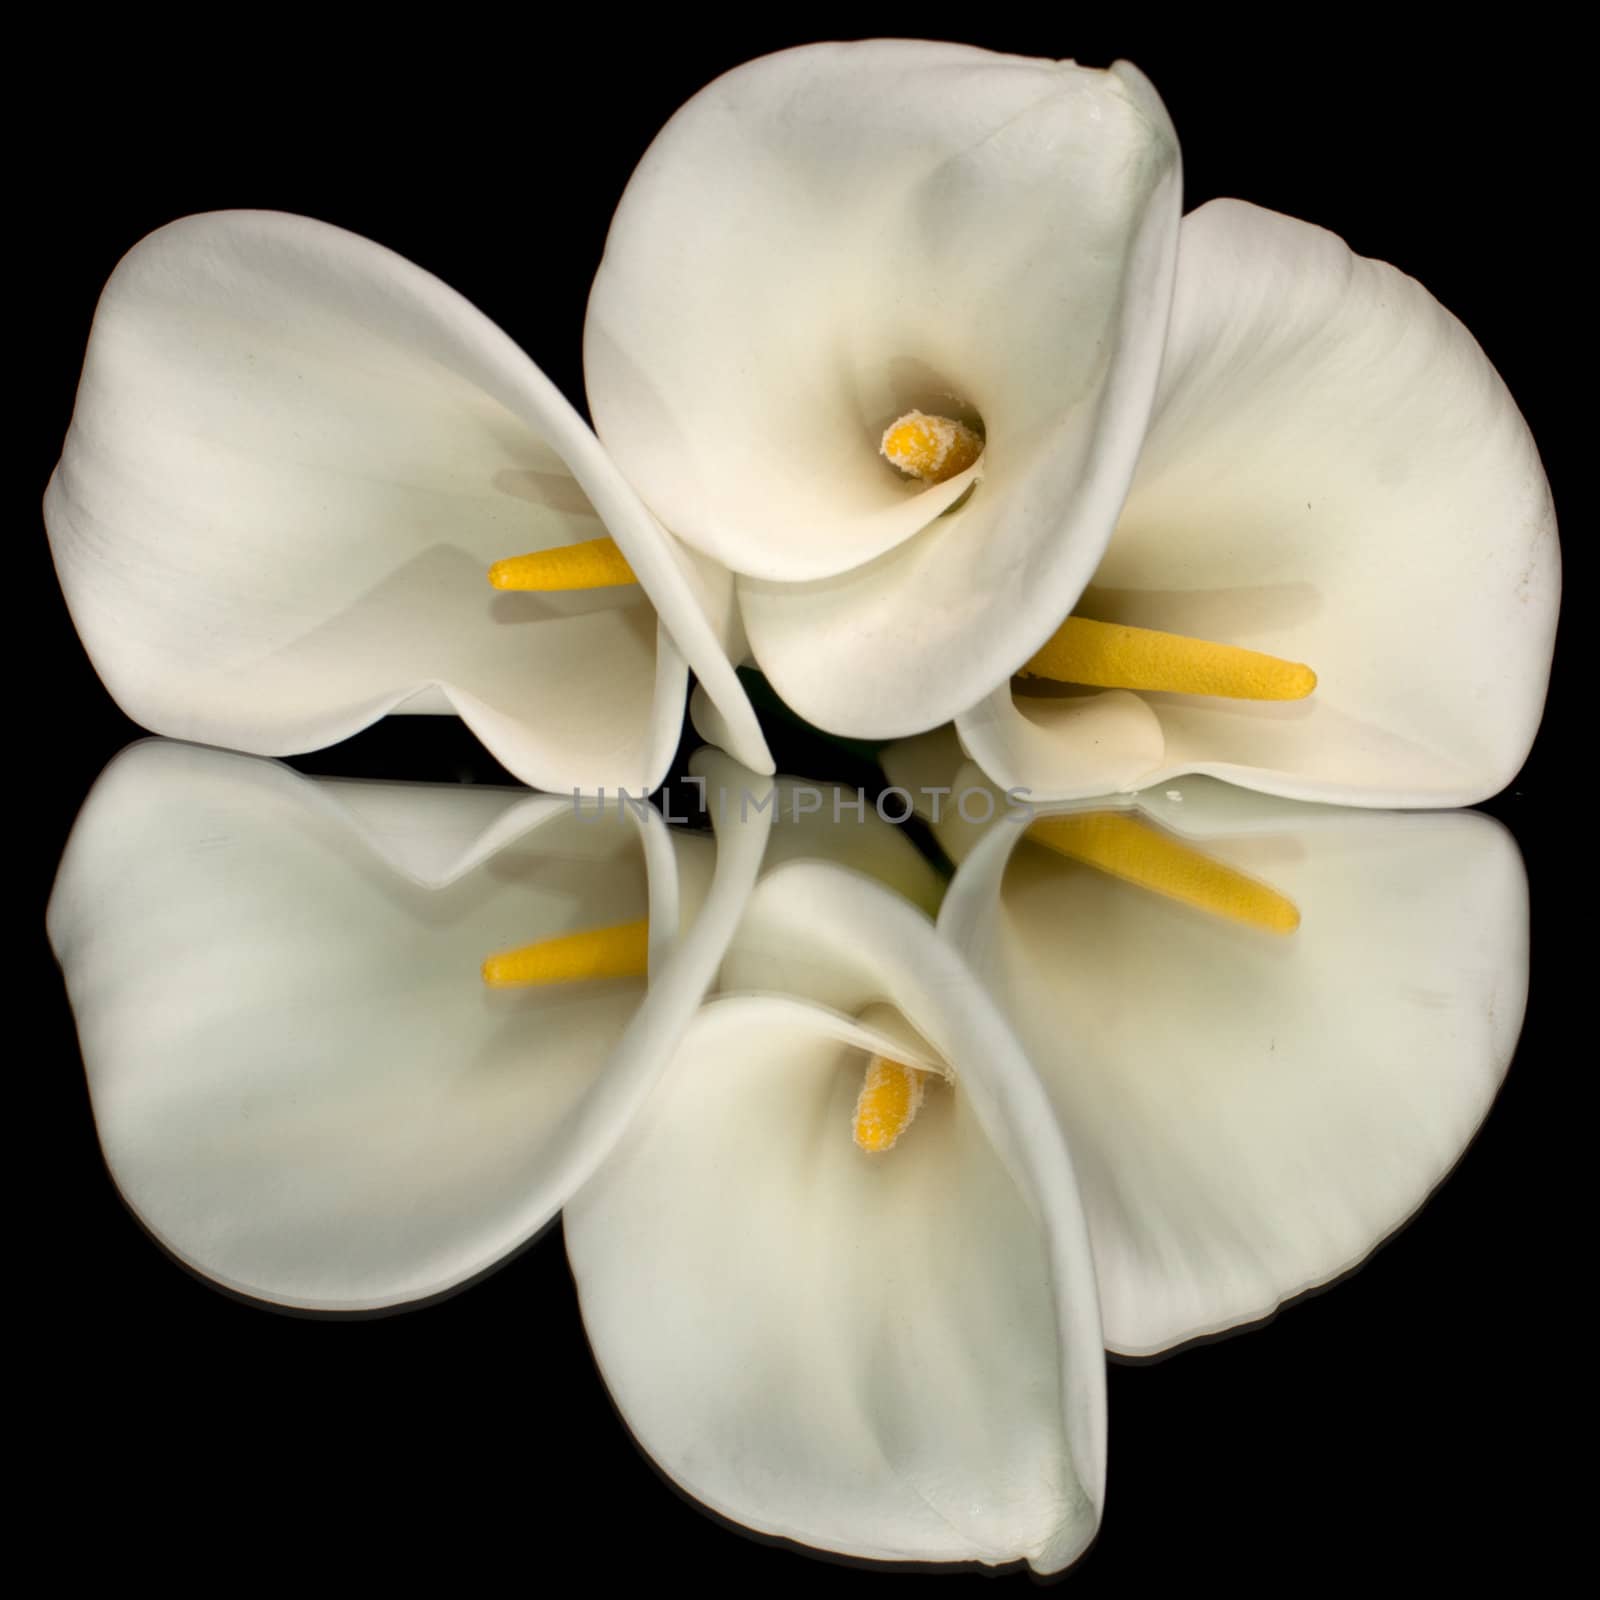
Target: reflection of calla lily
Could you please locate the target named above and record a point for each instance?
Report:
(1268, 1029)
(301, 1084)
(892, 1354)
(833, 238)
(293, 457)
(1337, 480)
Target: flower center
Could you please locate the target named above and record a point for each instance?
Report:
(1110, 655)
(1131, 849)
(621, 951)
(928, 448)
(891, 1095)
(932, 449)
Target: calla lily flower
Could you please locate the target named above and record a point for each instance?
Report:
(871, 1320)
(303, 1086)
(293, 461)
(1267, 1029)
(1336, 576)
(877, 329)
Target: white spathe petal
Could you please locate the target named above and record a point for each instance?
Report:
(1251, 1114)
(301, 1085)
(1335, 474)
(829, 237)
(1064, 746)
(292, 459)
(706, 719)
(699, 609)
(894, 1357)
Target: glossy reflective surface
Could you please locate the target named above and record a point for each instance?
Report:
(1367, 1415)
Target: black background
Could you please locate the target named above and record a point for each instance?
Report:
(1398, 1428)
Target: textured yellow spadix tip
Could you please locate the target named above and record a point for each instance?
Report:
(594, 564)
(1132, 850)
(890, 1095)
(622, 951)
(930, 448)
(1109, 655)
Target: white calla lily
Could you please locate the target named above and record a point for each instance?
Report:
(893, 1355)
(302, 1085)
(1335, 475)
(832, 238)
(1266, 1049)
(292, 459)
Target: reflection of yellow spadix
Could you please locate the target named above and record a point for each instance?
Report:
(1130, 849)
(616, 952)
(890, 1096)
